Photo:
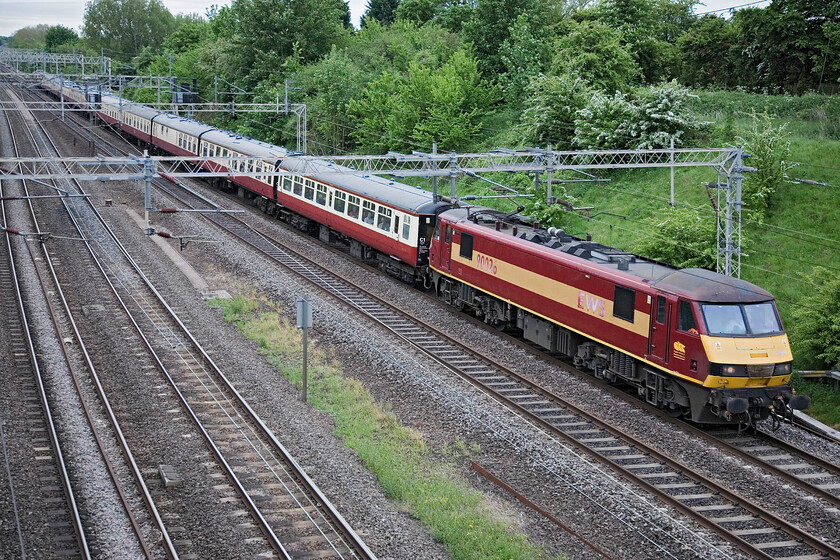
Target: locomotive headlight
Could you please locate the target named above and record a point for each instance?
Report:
(728, 370)
(782, 369)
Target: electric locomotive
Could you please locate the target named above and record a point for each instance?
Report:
(696, 343)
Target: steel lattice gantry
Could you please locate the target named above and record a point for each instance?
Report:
(727, 162)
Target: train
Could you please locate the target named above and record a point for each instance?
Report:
(697, 344)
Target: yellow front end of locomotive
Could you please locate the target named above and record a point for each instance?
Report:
(737, 362)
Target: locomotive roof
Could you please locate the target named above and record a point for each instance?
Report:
(693, 283)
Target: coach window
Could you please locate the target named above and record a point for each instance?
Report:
(624, 304)
(406, 228)
(383, 222)
(687, 322)
(466, 246)
(368, 211)
(321, 196)
(298, 190)
(353, 207)
(308, 190)
(339, 201)
(397, 225)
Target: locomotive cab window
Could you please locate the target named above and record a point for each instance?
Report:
(624, 304)
(687, 322)
(466, 246)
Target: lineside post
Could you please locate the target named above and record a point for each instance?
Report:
(304, 323)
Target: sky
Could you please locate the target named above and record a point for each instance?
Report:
(15, 14)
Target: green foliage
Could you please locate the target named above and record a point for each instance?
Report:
(684, 238)
(595, 52)
(647, 119)
(381, 11)
(124, 27)
(330, 85)
(58, 35)
(267, 32)
(817, 333)
(704, 49)
(405, 112)
(32, 37)
(487, 29)
(552, 108)
(524, 54)
(769, 149)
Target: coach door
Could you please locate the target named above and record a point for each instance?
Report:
(660, 315)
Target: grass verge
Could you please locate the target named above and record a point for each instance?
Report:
(432, 492)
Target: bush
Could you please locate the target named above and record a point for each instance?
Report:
(816, 335)
(683, 238)
(768, 147)
(647, 119)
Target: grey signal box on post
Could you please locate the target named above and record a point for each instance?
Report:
(304, 314)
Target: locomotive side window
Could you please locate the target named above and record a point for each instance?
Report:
(687, 322)
(660, 310)
(338, 203)
(437, 230)
(368, 212)
(353, 207)
(448, 236)
(467, 246)
(624, 304)
(321, 196)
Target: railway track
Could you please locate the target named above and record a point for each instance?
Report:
(750, 527)
(746, 525)
(294, 516)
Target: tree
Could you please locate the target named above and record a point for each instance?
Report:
(551, 109)
(32, 37)
(125, 27)
(267, 32)
(683, 238)
(488, 29)
(595, 52)
(525, 53)
(650, 28)
(406, 112)
(58, 35)
(816, 334)
(381, 10)
(705, 53)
